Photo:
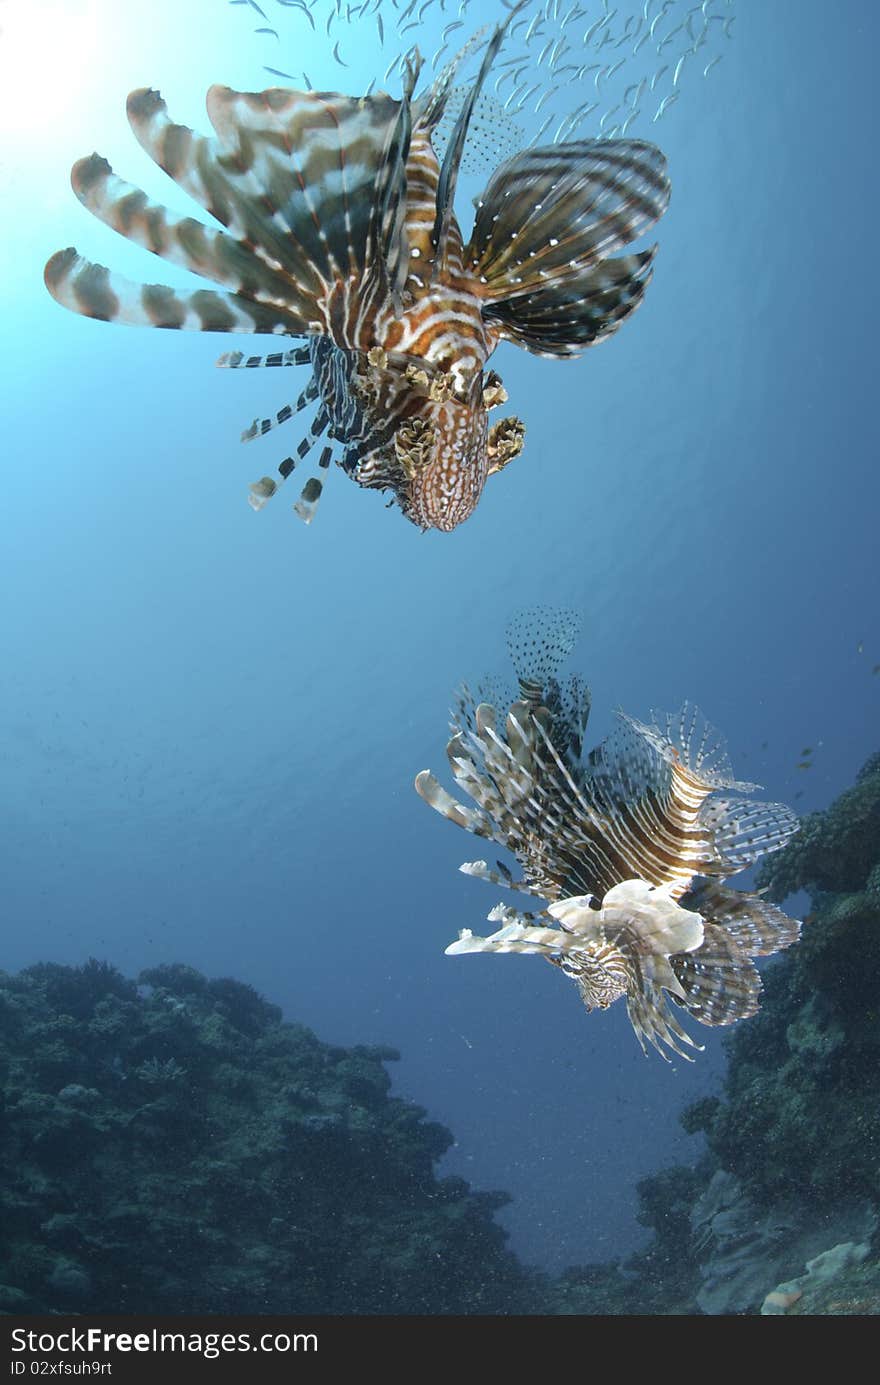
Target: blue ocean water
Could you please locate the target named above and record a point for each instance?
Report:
(212, 719)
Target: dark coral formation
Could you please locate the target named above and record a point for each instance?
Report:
(836, 850)
(801, 1112)
(174, 1147)
(792, 1165)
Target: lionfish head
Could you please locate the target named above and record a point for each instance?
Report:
(444, 457)
(447, 451)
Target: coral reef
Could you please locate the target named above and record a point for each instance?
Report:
(172, 1146)
(835, 850)
(791, 1172)
(795, 1141)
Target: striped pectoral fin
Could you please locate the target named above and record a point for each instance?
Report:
(231, 189)
(520, 933)
(758, 927)
(742, 831)
(547, 211)
(261, 426)
(545, 227)
(185, 241)
(307, 505)
(481, 870)
(564, 317)
(95, 291)
(655, 1024)
(720, 983)
(431, 790)
(331, 170)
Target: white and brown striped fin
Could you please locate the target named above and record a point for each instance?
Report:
(310, 188)
(742, 832)
(720, 984)
(758, 927)
(545, 227)
(562, 319)
(655, 1024)
(95, 291)
(181, 240)
(517, 934)
(331, 168)
(501, 875)
(431, 790)
(689, 743)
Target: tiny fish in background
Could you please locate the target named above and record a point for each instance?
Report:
(627, 850)
(339, 228)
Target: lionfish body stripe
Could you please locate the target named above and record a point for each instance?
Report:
(334, 222)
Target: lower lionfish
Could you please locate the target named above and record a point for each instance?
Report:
(629, 847)
(339, 228)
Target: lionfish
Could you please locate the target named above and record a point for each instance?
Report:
(628, 847)
(339, 229)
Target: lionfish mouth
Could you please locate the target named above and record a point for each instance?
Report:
(425, 502)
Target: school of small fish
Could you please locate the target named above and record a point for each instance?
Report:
(571, 67)
(627, 850)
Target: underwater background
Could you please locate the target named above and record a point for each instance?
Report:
(212, 720)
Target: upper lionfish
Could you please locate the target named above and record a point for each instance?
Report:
(340, 229)
(630, 847)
